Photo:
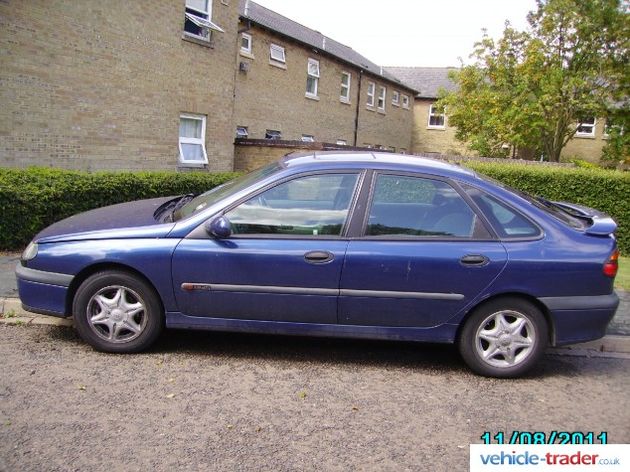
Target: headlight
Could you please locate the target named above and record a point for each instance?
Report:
(30, 252)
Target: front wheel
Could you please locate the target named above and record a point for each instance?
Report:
(504, 338)
(116, 311)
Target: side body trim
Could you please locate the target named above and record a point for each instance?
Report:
(43, 277)
(598, 302)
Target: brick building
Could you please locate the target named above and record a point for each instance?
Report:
(433, 134)
(115, 85)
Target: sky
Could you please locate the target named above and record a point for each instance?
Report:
(407, 32)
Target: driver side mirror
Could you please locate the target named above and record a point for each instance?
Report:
(220, 228)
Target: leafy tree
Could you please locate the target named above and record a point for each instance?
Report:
(530, 88)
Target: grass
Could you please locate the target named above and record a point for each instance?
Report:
(623, 276)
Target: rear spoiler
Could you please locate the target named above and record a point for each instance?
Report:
(601, 224)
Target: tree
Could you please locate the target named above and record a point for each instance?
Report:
(530, 88)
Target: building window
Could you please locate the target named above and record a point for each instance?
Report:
(382, 94)
(395, 98)
(436, 117)
(276, 53)
(405, 101)
(308, 138)
(246, 43)
(192, 139)
(198, 19)
(342, 142)
(586, 127)
(370, 94)
(273, 134)
(611, 127)
(345, 87)
(242, 132)
(312, 78)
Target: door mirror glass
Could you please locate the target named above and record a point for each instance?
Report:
(220, 228)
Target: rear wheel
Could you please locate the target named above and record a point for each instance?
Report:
(504, 338)
(115, 311)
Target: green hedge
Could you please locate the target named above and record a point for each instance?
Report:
(34, 198)
(605, 190)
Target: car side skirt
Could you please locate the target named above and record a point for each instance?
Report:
(444, 333)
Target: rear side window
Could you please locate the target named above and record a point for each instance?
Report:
(507, 222)
(414, 206)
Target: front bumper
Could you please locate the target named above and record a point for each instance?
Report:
(43, 292)
(580, 319)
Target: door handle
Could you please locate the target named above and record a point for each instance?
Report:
(318, 257)
(474, 260)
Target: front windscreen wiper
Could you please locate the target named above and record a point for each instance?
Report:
(176, 205)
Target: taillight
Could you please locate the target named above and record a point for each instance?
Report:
(612, 264)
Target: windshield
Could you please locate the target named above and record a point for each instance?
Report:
(218, 193)
(541, 203)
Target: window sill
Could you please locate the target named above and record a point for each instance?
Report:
(405, 108)
(584, 136)
(345, 101)
(381, 111)
(370, 108)
(395, 104)
(192, 165)
(191, 38)
(311, 97)
(279, 65)
(246, 54)
(437, 128)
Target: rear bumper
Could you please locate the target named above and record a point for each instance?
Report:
(43, 292)
(580, 319)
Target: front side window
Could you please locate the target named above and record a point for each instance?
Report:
(312, 77)
(315, 205)
(192, 138)
(273, 134)
(276, 53)
(246, 43)
(437, 118)
(405, 206)
(198, 19)
(370, 93)
(344, 96)
(382, 93)
(586, 127)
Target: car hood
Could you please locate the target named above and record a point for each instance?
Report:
(125, 220)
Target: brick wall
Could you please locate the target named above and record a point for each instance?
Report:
(100, 85)
(271, 97)
(589, 149)
(440, 141)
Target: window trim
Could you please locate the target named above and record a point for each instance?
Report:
(433, 114)
(185, 140)
(245, 135)
(249, 38)
(405, 101)
(396, 98)
(314, 77)
(382, 95)
(579, 134)
(308, 138)
(341, 142)
(279, 138)
(346, 87)
(370, 96)
(276, 47)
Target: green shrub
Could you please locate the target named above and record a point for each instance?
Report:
(31, 199)
(605, 190)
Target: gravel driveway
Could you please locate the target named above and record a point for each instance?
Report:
(212, 401)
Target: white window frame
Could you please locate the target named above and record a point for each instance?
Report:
(345, 87)
(246, 50)
(185, 140)
(432, 113)
(245, 134)
(273, 133)
(281, 54)
(314, 75)
(341, 142)
(203, 19)
(591, 134)
(405, 101)
(371, 91)
(382, 98)
(396, 98)
(308, 138)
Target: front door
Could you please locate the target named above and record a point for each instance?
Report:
(423, 255)
(283, 260)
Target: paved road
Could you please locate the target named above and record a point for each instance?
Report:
(211, 401)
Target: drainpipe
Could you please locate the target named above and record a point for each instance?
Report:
(356, 114)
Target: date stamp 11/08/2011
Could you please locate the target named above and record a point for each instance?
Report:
(541, 437)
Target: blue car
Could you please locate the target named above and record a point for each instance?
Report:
(361, 245)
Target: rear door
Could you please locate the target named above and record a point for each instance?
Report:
(422, 255)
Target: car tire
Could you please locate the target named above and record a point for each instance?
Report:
(504, 338)
(115, 311)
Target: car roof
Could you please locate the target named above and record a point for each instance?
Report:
(372, 160)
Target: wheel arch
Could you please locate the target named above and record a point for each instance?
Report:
(523, 296)
(90, 270)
